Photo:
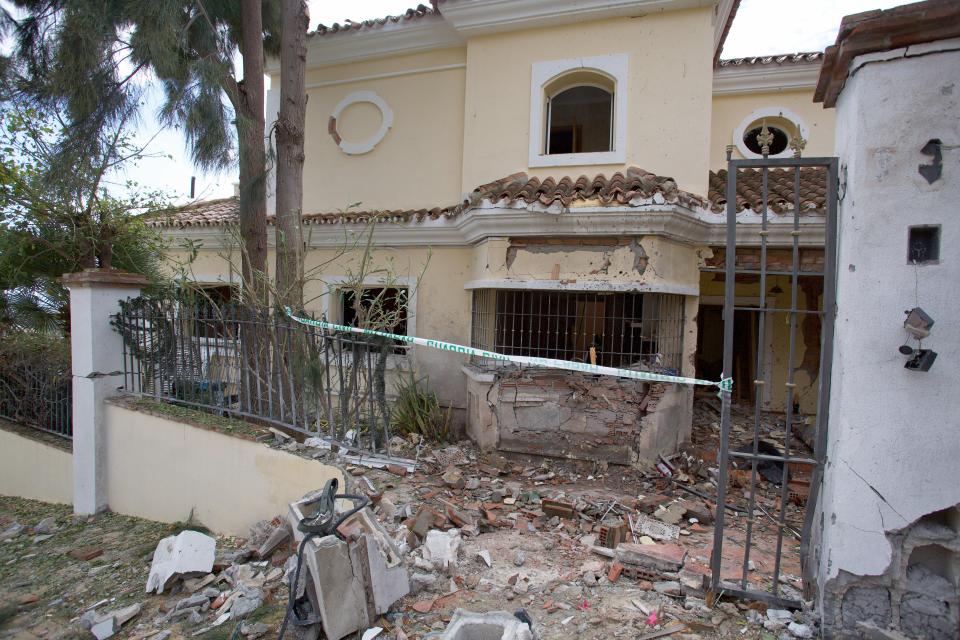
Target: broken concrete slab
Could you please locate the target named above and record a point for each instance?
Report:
(187, 554)
(385, 584)
(661, 557)
(647, 526)
(276, 537)
(494, 625)
(45, 526)
(104, 629)
(441, 548)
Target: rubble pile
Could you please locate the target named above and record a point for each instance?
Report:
(457, 543)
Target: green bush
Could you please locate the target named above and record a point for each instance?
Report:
(417, 410)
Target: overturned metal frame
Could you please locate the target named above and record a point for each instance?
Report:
(827, 315)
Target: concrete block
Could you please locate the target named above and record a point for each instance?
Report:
(495, 625)
(340, 595)
(187, 554)
(384, 584)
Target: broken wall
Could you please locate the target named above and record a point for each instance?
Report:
(892, 445)
(574, 415)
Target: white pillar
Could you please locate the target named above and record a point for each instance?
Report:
(97, 356)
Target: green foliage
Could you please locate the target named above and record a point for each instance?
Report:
(85, 59)
(417, 410)
(52, 223)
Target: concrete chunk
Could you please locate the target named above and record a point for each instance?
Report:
(187, 554)
(494, 625)
(340, 595)
(441, 548)
(661, 557)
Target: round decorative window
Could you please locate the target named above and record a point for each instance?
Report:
(779, 144)
(363, 146)
(783, 124)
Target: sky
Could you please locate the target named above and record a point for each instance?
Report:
(761, 27)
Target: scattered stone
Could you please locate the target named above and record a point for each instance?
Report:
(780, 614)
(126, 614)
(45, 526)
(11, 532)
(192, 601)
(250, 600)
(42, 538)
(276, 538)
(519, 558)
(103, 629)
(187, 554)
(441, 548)
(484, 555)
(253, 631)
(472, 484)
(422, 582)
(798, 630)
(667, 587)
(453, 478)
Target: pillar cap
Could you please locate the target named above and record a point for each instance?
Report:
(114, 278)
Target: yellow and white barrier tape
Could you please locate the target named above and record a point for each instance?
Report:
(725, 384)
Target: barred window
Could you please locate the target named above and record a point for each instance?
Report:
(642, 331)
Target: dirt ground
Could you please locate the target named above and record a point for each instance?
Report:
(542, 563)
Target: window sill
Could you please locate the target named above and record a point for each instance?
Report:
(577, 159)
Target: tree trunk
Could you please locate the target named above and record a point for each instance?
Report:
(253, 158)
(294, 22)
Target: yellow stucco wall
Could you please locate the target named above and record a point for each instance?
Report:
(730, 110)
(668, 105)
(165, 470)
(417, 164)
(30, 468)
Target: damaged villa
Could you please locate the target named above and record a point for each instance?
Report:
(603, 335)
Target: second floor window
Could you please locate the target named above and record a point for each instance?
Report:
(580, 120)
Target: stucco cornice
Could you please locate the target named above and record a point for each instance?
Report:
(480, 17)
(763, 78)
(674, 222)
(425, 34)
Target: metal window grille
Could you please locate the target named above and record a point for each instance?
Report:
(627, 330)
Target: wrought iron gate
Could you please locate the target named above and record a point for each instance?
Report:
(787, 456)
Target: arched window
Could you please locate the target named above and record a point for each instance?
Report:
(580, 120)
(578, 111)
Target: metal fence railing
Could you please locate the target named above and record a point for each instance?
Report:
(261, 366)
(36, 387)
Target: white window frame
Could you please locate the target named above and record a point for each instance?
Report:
(330, 304)
(759, 115)
(613, 66)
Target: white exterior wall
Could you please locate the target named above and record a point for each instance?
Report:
(894, 439)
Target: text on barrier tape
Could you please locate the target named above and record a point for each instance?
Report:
(726, 384)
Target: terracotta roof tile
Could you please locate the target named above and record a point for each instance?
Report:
(631, 187)
(415, 13)
(780, 182)
(622, 188)
(778, 59)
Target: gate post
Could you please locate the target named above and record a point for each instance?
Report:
(97, 360)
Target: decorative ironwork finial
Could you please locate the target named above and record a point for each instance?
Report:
(797, 143)
(764, 139)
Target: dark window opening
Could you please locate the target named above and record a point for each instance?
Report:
(923, 244)
(380, 308)
(580, 120)
(211, 304)
(778, 146)
(627, 330)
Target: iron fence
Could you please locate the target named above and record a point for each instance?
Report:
(259, 365)
(36, 387)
